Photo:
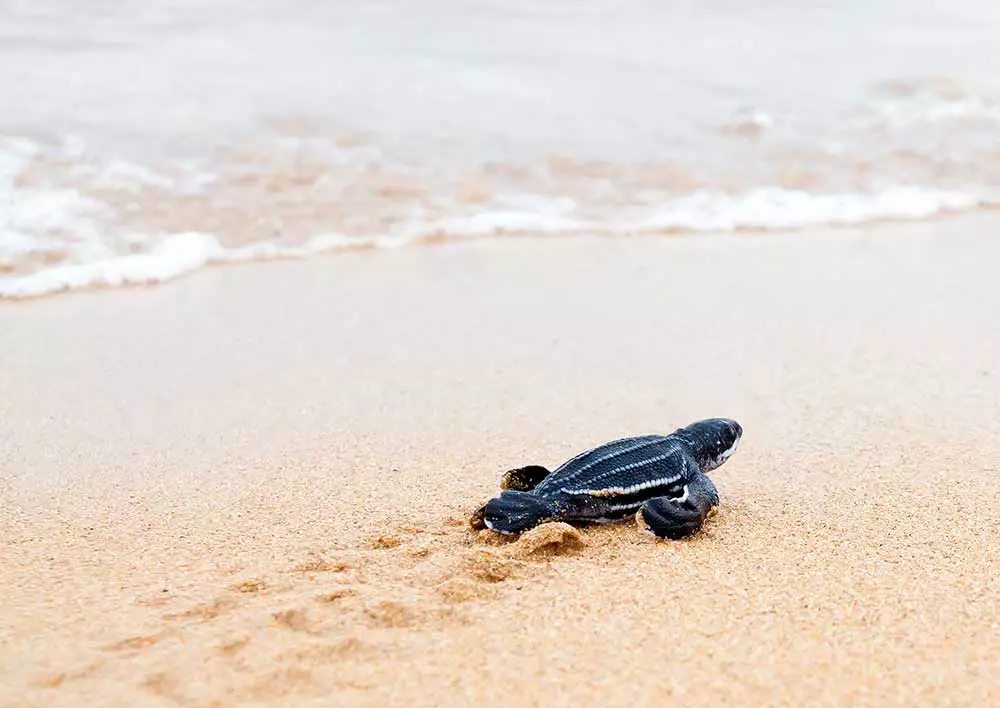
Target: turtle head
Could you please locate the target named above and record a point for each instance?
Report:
(713, 441)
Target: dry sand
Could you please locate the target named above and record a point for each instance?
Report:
(248, 487)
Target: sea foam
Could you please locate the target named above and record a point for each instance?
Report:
(174, 255)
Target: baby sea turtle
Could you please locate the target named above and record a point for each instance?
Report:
(660, 478)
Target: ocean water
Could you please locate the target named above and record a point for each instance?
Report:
(141, 140)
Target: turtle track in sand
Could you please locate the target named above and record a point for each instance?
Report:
(311, 625)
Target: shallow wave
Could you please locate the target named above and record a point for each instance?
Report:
(73, 217)
(184, 134)
(765, 209)
(774, 208)
(176, 255)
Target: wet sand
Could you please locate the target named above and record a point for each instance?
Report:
(248, 487)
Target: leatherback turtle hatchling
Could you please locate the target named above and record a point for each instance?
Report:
(660, 478)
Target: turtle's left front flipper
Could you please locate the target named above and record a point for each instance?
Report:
(678, 517)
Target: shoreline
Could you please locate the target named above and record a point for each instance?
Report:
(183, 255)
(249, 487)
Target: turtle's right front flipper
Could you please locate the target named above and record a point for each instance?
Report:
(678, 517)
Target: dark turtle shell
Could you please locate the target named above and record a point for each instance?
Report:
(630, 467)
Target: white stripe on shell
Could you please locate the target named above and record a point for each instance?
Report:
(623, 507)
(617, 491)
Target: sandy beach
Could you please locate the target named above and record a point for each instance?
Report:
(249, 486)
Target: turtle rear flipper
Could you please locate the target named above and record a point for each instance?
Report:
(478, 519)
(514, 511)
(524, 479)
(678, 517)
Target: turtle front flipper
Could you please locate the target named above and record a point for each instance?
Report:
(678, 517)
(524, 479)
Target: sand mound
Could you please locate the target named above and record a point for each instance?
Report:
(552, 539)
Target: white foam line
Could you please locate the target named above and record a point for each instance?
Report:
(778, 209)
(765, 208)
(28, 212)
(173, 257)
